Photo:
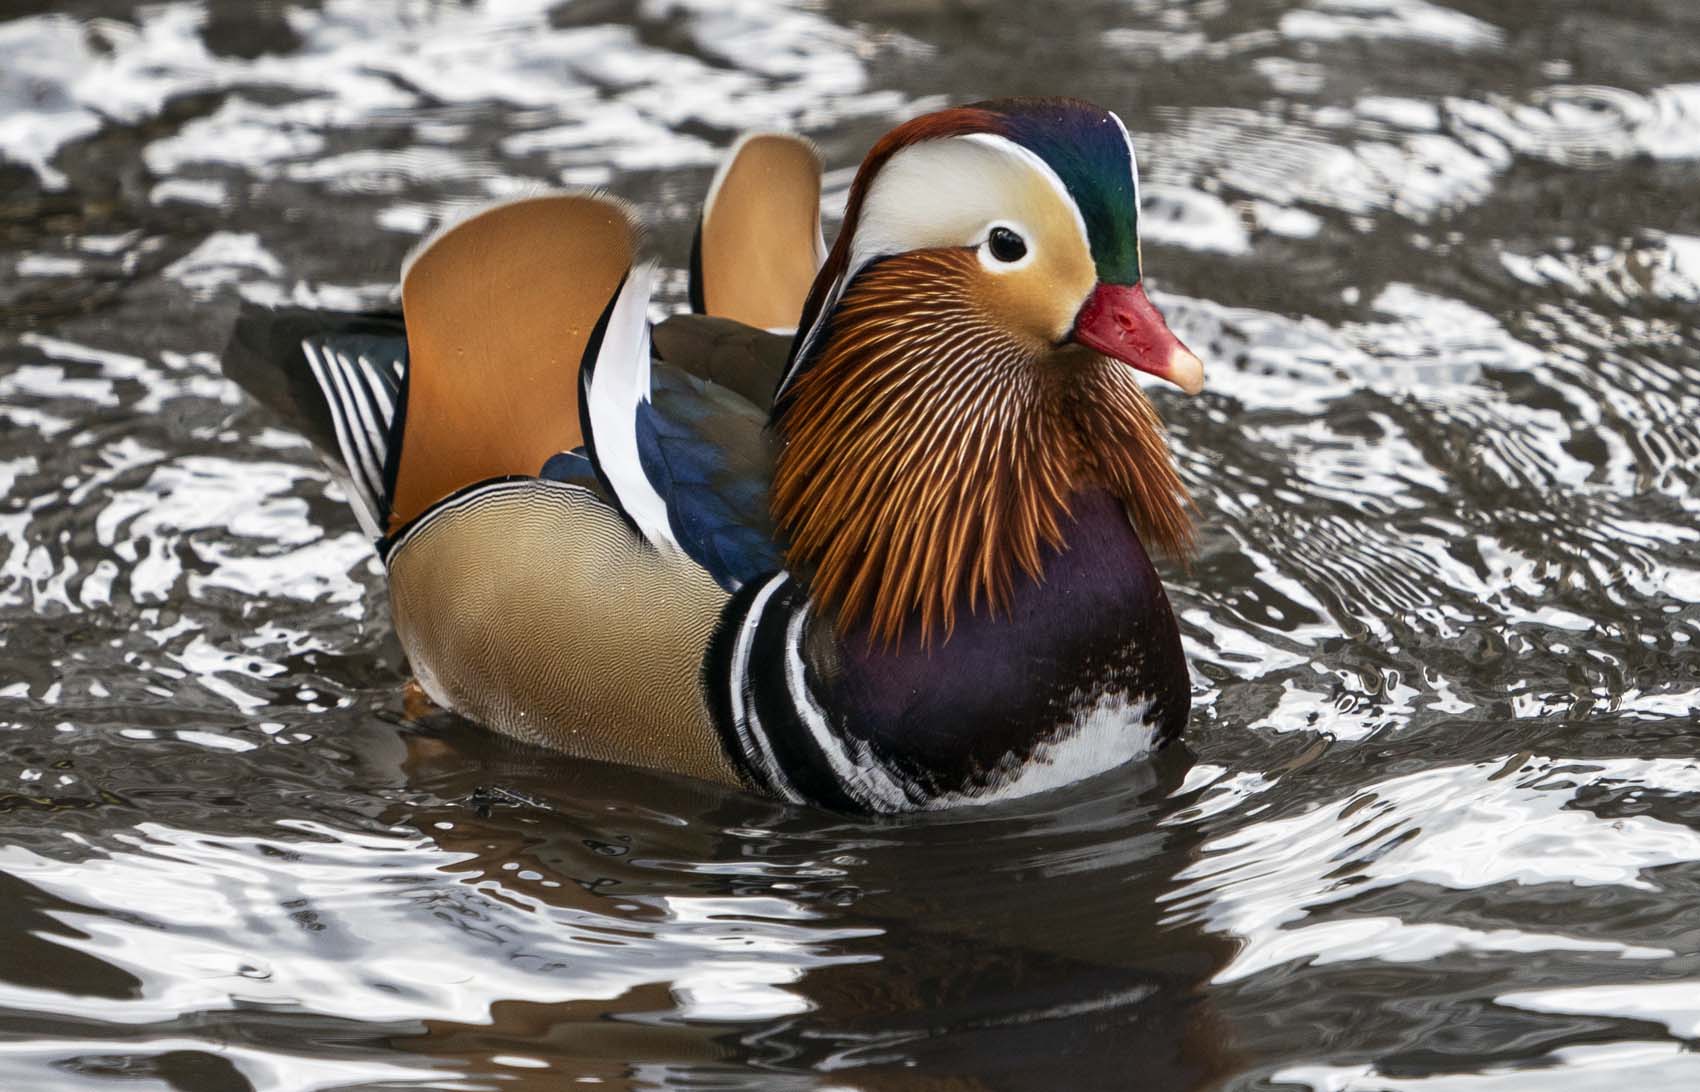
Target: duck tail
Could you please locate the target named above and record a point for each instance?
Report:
(340, 380)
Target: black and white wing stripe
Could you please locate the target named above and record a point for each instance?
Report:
(363, 380)
(615, 381)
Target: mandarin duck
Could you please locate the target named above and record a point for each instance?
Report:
(867, 530)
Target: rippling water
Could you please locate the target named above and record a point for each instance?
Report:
(1439, 826)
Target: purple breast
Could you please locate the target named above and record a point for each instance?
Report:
(1098, 624)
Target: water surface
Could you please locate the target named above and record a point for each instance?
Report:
(1437, 828)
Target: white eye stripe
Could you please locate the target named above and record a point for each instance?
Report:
(950, 192)
(1032, 159)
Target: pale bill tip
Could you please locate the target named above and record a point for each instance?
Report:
(1186, 371)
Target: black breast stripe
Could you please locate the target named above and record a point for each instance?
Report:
(731, 699)
(770, 740)
(795, 746)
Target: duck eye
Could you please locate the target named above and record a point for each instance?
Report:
(1006, 245)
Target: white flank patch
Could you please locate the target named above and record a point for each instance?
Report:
(1110, 732)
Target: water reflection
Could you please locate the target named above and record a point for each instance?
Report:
(476, 923)
(874, 950)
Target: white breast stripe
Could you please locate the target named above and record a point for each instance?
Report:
(744, 718)
(863, 776)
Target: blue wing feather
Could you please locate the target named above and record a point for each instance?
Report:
(709, 455)
(686, 459)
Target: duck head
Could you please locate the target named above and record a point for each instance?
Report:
(965, 365)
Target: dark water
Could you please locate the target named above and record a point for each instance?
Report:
(1439, 826)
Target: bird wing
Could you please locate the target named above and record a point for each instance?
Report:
(500, 308)
(743, 359)
(758, 243)
(688, 461)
